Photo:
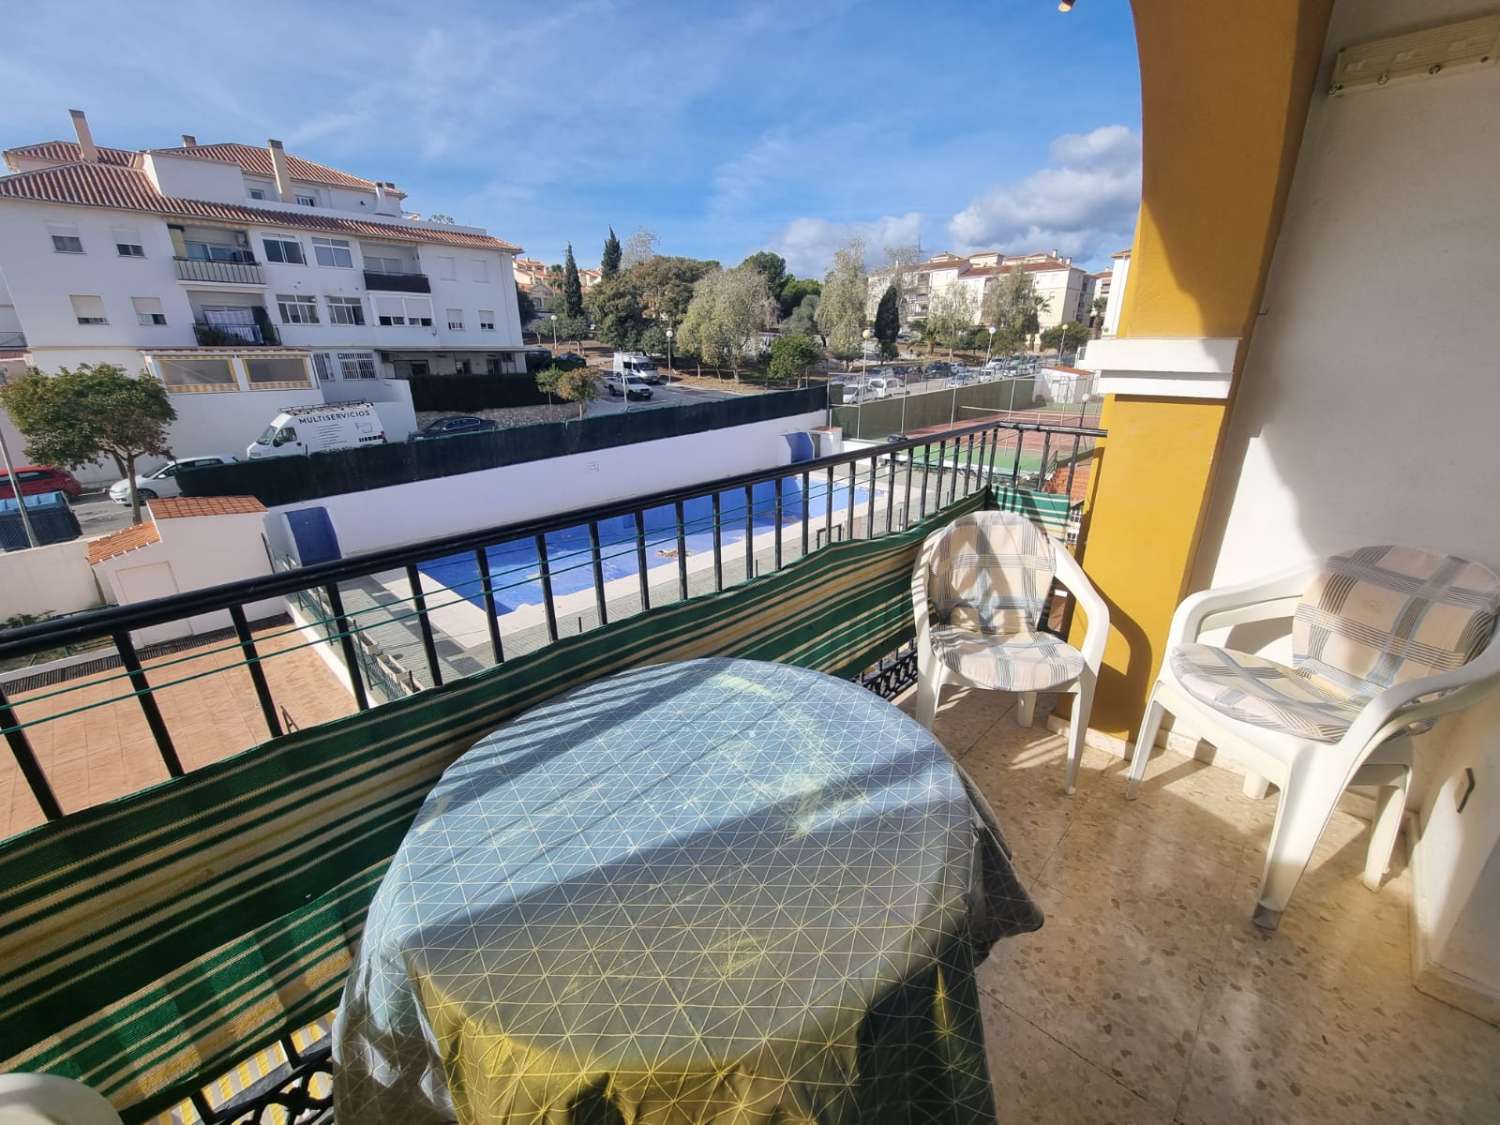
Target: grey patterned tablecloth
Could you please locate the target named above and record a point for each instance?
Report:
(717, 891)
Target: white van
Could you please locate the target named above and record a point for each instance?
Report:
(634, 363)
(318, 429)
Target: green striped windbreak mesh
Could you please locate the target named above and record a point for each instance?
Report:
(149, 944)
(1045, 508)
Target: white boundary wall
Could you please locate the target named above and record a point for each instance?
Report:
(55, 579)
(409, 513)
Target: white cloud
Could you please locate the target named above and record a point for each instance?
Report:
(1083, 204)
(808, 244)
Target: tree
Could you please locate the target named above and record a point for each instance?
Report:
(574, 384)
(88, 412)
(609, 260)
(1063, 337)
(951, 312)
(729, 310)
(525, 306)
(841, 307)
(793, 291)
(888, 321)
(572, 290)
(792, 355)
(1013, 306)
(770, 266)
(803, 320)
(548, 380)
(652, 292)
(639, 247)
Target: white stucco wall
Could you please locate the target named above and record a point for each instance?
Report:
(55, 579)
(409, 513)
(1367, 409)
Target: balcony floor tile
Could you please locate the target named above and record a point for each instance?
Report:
(1149, 996)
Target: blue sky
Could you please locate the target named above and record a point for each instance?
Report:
(723, 127)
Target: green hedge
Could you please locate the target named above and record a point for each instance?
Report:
(288, 480)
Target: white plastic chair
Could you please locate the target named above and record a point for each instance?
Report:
(978, 591)
(47, 1099)
(1385, 640)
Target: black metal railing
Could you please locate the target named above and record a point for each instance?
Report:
(235, 335)
(246, 272)
(781, 514)
(397, 282)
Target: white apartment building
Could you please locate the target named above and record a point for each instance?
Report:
(1062, 285)
(1119, 275)
(231, 270)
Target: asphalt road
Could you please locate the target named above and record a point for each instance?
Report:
(662, 396)
(98, 514)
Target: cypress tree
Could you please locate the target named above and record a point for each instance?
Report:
(888, 321)
(609, 261)
(572, 288)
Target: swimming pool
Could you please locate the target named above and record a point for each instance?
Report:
(514, 566)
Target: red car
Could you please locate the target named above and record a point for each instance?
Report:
(39, 478)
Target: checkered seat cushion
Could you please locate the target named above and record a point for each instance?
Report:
(987, 588)
(1373, 618)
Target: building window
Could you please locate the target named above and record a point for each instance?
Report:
(148, 310)
(447, 269)
(456, 320)
(297, 309)
(273, 372)
(357, 365)
(384, 265)
(462, 367)
(257, 193)
(287, 251)
(390, 311)
(128, 242)
(197, 374)
(345, 310)
(88, 309)
(481, 269)
(323, 367)
(333, 252)
(65, 239)
(201, 251)
(307, 201)
(419, 368)
(493, 365)
(419, 311)
(486, 320)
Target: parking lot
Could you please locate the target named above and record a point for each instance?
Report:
(662, 396)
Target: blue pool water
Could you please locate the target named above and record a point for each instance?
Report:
(514, 568)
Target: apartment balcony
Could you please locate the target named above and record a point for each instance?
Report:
(261, 334)
(397, 282)
(213, 272)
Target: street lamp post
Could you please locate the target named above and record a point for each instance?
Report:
(553, 318)
(989, 350)
(669, 354)
(15, 490)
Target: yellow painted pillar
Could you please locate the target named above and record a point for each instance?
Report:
(1224, 93)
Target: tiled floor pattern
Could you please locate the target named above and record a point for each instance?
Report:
(107, 751)
(1148, 996)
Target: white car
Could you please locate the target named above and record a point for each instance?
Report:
(162, 482)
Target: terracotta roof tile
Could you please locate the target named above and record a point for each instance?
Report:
(68, 152)
(257, 161)
(181, 507)
(119, 542)
(128, 189)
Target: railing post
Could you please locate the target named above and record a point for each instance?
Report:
(806, 506)
(597, 559)
(257, 673)
(640, 558)
(776, 551)
(429, 645)
(126, 648)
(718, 554)
(544, 572)
(849, 520)
(346, 643)
(828, 509)
(491, 617)
(682, 577)
(31, 769)
(749, 532)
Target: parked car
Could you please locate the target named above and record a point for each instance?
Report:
(938, 368)
(162, 481)
(881, 387)
(631, 386)
(570, 360)
(35, 479)
(454, 427)
(634, 363)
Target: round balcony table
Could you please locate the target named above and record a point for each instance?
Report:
(713, 891)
